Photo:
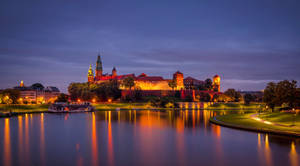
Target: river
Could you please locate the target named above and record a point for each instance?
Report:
(138, 138)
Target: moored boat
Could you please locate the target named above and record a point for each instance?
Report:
(70, 108)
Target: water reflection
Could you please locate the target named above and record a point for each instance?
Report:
(110, 141)
(148, 137)
(94, 142)
(42, 140)
(7, 146)
(267, 151)
(20, 138)
(293, 155)
(27, 150)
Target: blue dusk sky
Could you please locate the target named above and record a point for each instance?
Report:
(247, 42)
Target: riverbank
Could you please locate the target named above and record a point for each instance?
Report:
(275, 123)
(10, 110)
(236, 106)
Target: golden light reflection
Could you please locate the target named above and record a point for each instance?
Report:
(7, 147)
(27, 138)
(293, 155)
(180, 146)
(42, 137)
(20, 138)
(94, 141)
(110, 142)
(216, 129)
(260, 150)
(119, 117)
(268, 155)
(193, 117)
(258, 141)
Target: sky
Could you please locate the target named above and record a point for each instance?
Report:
(248, 43)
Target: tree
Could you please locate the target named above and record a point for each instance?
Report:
(233, 94)
(208, 84)
(62, 98)
(205, 97)
(286, 93)
(10, 96)
(128, 82)
(283, 92)
(248, 98)
(172, 84)
(37, 86)
(270, 95)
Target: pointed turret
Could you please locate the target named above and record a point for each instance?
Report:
(90, 74)
(99, 69)
(114, 72)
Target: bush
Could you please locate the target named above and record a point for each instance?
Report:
(164, 102)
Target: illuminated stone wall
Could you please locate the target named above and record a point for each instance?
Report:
(151, 85)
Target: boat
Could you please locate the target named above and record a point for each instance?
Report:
(70, 108)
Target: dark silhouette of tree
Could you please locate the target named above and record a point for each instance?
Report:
(172, 84)
(233, 94)
(248, 98)
(128, 82)
(208, 84)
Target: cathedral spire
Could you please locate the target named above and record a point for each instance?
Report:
(90, 72)
(99, 69)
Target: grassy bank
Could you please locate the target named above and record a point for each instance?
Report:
(282, 118)
(245, 121)
(24, 108)
(236, 106)
(9, 110)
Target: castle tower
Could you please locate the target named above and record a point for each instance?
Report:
(217, 83)
(90, 74)
(99, 69)
(178, 77)
(114, 72)
(22, 83)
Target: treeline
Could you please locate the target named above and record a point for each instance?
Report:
(94, 92)
(9, 96)
(283, 94)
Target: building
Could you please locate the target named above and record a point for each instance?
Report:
(30, 95)
(192, 83)
(145, 82)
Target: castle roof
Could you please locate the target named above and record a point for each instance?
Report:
(143, 75)
(178, 72)
(193, 79)
(150, 78)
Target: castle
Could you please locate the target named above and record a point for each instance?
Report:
(148, 83)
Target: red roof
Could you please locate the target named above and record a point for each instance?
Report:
(143, 75)
(149, 78)
(178, 72)
(119, 77)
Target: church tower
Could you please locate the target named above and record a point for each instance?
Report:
(178, 78)
(90, 74)
(114, 72)
(217, 83)
(99, 69)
